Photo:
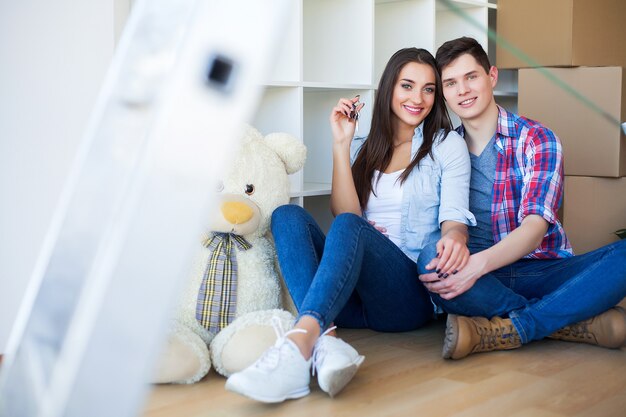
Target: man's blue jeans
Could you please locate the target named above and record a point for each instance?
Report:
(542, 296)
(355, 277)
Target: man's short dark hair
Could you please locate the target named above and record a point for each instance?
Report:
(453, 49)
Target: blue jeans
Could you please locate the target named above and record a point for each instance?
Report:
(542, 296)
(355, 277)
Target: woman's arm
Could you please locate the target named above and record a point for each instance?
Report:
(456, 170)
(343, 196)
(452, 248)
(454, 214)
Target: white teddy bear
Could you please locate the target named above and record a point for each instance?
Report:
(235, 292)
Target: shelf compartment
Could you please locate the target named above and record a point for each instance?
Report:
(280, 110)
(317, 134)
(288, 67)
(402, 24)
(338, 41)
(310, 189)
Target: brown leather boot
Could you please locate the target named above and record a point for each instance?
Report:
(607, 329)
(466, 335)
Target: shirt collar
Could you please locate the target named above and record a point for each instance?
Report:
(419, 131)
(418, 138)
(505, 128)
(506, 123)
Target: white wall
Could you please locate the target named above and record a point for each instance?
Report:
(53, 57)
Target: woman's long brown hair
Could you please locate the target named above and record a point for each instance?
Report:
(376, 152)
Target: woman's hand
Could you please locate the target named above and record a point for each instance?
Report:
(342, 126)
(452, 253)
(381, 229)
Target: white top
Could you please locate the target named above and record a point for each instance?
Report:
(385, 204)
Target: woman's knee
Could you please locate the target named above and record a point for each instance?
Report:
(348, 221)
(287, 211)
(427, 254)
(288, 215)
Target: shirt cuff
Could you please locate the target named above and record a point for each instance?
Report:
(538, 209)
(457, 215)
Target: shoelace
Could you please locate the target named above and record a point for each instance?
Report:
(578, 330)
(270, 358)
(320, 351)
(492, 337)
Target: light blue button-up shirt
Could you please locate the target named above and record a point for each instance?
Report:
(437, 190)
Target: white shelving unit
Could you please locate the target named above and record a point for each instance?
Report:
(338, 48)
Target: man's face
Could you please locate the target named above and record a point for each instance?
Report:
(468, 89)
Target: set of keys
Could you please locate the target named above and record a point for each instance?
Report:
(354, 114)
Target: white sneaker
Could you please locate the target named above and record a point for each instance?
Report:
(280, 373)
(336, 362)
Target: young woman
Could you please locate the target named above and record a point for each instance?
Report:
(402, 187)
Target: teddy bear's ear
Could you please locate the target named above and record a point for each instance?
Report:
(250, 133)
(289, 149)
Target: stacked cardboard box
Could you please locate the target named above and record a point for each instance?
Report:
(588, 122)
(595, 208)
(561, 33)
(583, 102)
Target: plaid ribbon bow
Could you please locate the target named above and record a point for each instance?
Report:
(217, 297)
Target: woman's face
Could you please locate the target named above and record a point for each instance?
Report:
(413, 95)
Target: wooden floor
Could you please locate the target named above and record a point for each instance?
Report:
(404, 375)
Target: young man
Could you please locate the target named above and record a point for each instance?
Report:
(522, 282)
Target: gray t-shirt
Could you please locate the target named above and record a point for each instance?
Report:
(481, 189)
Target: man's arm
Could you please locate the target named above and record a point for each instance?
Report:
(517, 244)
(542, 190)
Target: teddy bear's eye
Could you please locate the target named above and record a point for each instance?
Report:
(249, 189)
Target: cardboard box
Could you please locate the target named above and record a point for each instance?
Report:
(593, 145)
(594, 208)
(557, 33)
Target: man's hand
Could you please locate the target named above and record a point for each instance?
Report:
(513, 247)
(456, 284)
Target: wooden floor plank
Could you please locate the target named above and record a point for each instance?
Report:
(404, 375)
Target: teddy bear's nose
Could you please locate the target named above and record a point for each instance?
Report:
(236, 212)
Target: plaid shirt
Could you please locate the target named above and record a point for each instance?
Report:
(528, 180)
